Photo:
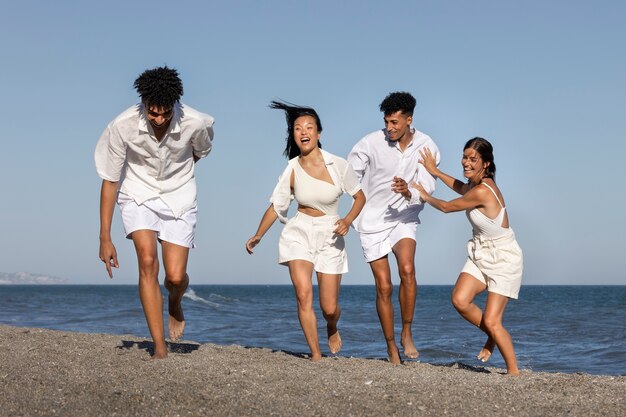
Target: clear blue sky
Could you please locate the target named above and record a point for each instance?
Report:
(544, 81)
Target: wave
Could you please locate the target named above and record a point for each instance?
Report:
(191, 294)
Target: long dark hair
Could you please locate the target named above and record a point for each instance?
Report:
(292, 112)
(484, 148)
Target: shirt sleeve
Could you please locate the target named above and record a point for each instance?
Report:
(358, 159)
(350, 181)
(282, 196)
(424, 178)
(110, 155)
(202, 140)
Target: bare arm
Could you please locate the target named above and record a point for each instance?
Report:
(473, 198)
(343, 225)
(108, 254)
(267, 221)
(428, 161)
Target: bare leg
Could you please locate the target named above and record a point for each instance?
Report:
(329, 303)
(149, 289)
(301, 272)
(176, 281)
(384, 306)
(492, 319)
(465, 290)
(405, 255)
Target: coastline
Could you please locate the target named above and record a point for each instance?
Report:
(49, 372)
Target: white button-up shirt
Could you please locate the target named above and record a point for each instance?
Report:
(128, 152)
(376, 160)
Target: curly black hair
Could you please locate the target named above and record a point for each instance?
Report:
(292, 112)
(161, 87)
(398, 101)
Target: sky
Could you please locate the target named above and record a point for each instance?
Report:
(544, 81)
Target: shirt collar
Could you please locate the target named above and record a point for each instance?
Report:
(328, 160)
(396, 144)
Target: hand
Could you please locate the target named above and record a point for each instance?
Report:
(423, 194)
(252, 242)
(400, 186)
(428, 161)
(108, 255)
(342, 227)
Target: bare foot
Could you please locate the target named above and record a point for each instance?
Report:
(176, 320)
(486, 351)
(393, 355)
(515, 372)
(316, 357)
(409, 349)
(334, 340)
(160, 352)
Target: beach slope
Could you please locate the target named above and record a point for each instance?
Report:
(46, 372)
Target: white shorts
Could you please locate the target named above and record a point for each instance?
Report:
(498, 263)
(377, 245)
(312, 239)
(155, 215)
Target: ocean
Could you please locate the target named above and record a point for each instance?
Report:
(554, 328)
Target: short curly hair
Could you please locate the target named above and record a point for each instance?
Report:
(398, 101)
(161, 87)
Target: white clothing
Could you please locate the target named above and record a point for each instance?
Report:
(155, 215)
(498, 263)
(376, 160)
(377, 245)
(483, 225)
(315, 193)
(128, 152)
(340, 171)
(312, 239)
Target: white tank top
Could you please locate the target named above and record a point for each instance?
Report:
(483, 225)
(314, 193)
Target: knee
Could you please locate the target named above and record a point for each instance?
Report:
(176, 279)
(459, 302)
(407, 273)
(330, 311)
(492, 324)
(304, 296)
(384, 290)
(148, 264)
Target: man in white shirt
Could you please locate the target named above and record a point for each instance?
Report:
(386, 161)
(146, 158)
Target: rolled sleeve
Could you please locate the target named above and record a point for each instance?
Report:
(282, 196)
(110, 155)
(202, 142)
(350, 181)
(358, 159)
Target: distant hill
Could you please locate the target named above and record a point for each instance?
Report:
(13, 278)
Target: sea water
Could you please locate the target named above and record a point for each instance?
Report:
(554, 328)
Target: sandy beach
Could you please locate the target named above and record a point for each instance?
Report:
(46, 372)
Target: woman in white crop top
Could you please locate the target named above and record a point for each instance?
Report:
(312, 240)
(495, 260)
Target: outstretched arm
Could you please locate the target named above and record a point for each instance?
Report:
(343, 225)
(471, 199)
(267, 221)
(108, 254)
(429, 162)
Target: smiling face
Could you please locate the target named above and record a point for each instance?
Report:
(398, 125)
(473, 165)
(159, 117)
(305, 134)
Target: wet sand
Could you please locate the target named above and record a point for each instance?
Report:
(46, 372)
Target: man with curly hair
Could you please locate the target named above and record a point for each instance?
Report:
(146, 159)
(386, 161)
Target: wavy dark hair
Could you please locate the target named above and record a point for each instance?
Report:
(292, 112)
(160, 87)
(398, 101)
(484, 148)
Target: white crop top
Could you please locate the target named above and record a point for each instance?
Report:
(317, 194)
(483, 225)
(312, 192)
